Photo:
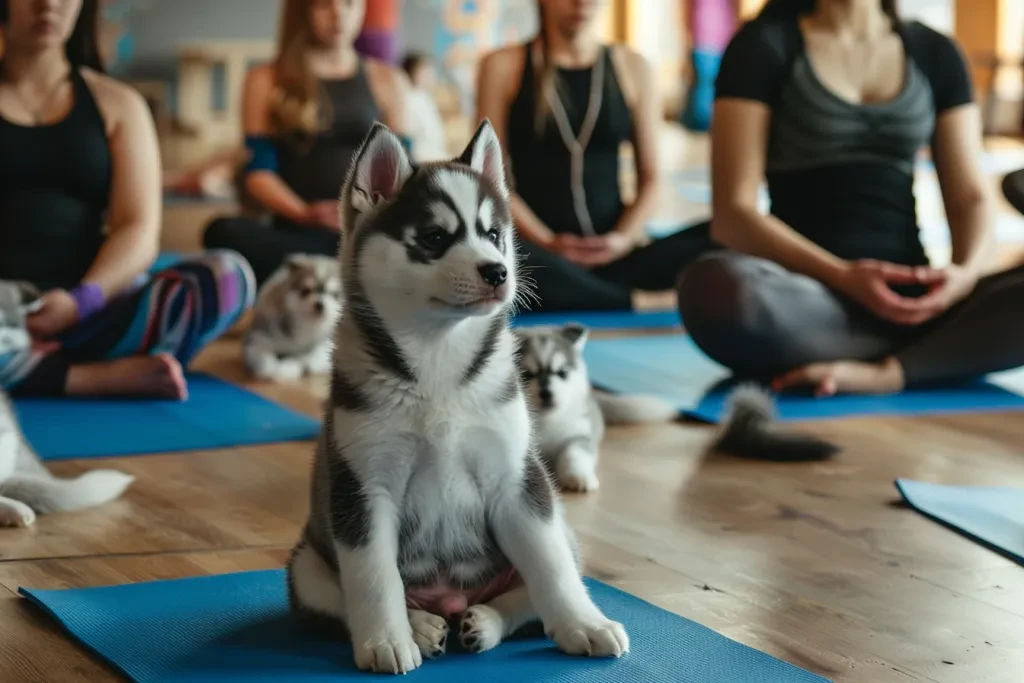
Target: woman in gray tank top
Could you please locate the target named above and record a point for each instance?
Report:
(830, 102)
(304, 116)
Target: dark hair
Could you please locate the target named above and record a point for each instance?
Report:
(790, 9)
(412, 61)
(544, 75)
(83, 46)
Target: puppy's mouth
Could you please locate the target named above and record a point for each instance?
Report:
(481, 305)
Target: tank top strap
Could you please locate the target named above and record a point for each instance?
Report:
(86, 110)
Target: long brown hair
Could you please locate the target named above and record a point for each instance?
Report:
(297, 106)
(545, 74)
(82, 48)
(791, 9)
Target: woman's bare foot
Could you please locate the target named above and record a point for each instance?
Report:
(655, 301)
(158, 376)
(845, 376)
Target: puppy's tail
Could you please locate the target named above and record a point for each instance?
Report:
(750, 431)
(630, 410)
(46, 494)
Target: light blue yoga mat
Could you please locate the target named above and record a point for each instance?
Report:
(217, 414)
(673, 368)
(603, 320)
(991, 516)
(236, 627)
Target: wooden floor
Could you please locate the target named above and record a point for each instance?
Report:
(815, 564)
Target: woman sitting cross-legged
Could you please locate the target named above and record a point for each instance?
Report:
(831, 100)
(563, 105)
(79, 220)
(304, 116)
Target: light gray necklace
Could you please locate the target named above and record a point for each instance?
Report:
(577, 145)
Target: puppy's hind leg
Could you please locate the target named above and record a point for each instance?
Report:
(485, 626)
(15, 513)
(315, 591)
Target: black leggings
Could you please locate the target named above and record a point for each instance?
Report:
(761, 320)
(265, 247)
(1013, 189)
(565, 286)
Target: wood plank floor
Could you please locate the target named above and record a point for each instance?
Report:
(815, 564)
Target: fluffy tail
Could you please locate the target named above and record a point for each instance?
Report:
(49, 494)
(750, 431)
(628, 410)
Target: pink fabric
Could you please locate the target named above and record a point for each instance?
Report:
(712, 24)
(445, 601)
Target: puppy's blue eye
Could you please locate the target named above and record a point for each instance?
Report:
(493, 236)
(434, 237)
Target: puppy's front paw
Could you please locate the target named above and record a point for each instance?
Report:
(389, 652)
(482, 628)
(429, 631)
(14, 513)
(578, 477)
(599, 638)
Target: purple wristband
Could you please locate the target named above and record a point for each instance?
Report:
(89, 298)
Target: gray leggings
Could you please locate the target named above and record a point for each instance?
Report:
(760, 320)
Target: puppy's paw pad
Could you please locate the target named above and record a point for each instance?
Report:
(481, 629)
(430, 632)
(598, 639)
(390, 654)
(579, 480)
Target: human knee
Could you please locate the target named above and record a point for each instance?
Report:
(721, 289)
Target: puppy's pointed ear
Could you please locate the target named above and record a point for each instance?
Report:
(576, 335)
(483, 155)
(380, 169)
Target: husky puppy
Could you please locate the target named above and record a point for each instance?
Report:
(570, 416)
(26, 487)
(293, 320)
(429, 502)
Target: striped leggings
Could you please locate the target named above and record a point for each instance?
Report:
(178, 310)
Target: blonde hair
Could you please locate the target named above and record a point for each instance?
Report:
(296, 105)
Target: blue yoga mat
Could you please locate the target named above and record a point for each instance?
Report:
(674, 369)
(235, 627)
(217, 414)
(603, 320)
(991, 516)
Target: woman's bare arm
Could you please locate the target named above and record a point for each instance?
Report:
(135, 203)
(646, 114)
(738, 151)
(266, 186)
(956, 148)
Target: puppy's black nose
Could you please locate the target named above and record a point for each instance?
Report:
(318, 307)
(493, 274)
(545, 396)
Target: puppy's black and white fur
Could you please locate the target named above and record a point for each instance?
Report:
(293, 320)
(569, 415)
(425, 476)
(26, 487)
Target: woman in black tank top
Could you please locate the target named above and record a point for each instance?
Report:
(80, 225)
(304, 116)
(833, 289)
(563, 105)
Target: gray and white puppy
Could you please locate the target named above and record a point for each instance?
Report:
(569, 415)
(429, 502)
(293, 319)
(26, 487)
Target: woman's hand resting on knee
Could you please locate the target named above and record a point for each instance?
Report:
(869, 282)
(57, 313)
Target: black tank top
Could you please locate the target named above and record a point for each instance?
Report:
(541, 165)
(54, 188)
(316, 168)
